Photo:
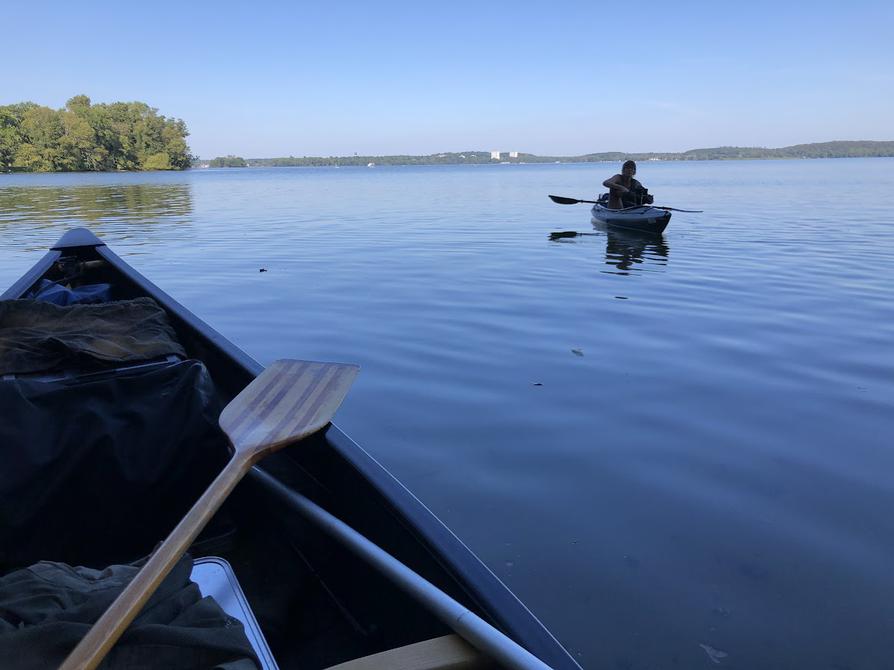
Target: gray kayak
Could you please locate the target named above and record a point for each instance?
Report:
(645, 218)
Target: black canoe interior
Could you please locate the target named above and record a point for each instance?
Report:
(316, 603)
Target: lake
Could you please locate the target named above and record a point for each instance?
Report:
(677, 451)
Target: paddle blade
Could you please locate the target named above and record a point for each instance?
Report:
(285, 403)
(560, 200)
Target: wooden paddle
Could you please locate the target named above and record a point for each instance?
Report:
(561, 200)
(287, 402)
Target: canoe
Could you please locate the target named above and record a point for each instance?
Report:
(311, 602)
(645, 218)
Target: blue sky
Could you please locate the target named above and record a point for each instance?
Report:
(332, 78)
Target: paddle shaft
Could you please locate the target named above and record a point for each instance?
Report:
(464, 622)
(562, 200)
(112, 624)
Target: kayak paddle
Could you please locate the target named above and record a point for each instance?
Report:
(561, 200)
(284, 404)
(674, 209)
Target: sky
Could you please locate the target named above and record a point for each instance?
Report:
(263, 79)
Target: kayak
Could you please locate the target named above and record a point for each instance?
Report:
(645, 218)
(137, 418)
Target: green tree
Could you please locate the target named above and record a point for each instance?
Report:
(84, 136)
(42, 131)
(10, 135)
(79, 104)
(159, 161)
(228, 161)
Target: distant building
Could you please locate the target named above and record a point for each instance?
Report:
(495, 155)
(513, 154)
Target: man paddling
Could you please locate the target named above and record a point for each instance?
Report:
(624, 190)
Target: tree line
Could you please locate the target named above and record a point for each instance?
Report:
(227, 161)
(840, 149)
(90, 137)
(453, 158)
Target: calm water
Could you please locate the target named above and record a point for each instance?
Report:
(671, 449)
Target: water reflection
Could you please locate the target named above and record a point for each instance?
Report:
(117, 211)
(630, 251)
(625, 250)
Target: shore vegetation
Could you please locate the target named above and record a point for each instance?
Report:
(90, 137)
(841, 149)
(227, 161)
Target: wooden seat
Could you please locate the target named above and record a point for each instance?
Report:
(449, 652)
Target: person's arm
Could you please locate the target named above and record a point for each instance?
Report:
(612, 184)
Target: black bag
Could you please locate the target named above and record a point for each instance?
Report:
(636, 196)
(95, 471)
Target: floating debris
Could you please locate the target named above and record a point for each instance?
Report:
(577, 352)
(536, 383)
(263, 270)
(714, 654)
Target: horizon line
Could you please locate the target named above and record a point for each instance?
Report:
(524, 153)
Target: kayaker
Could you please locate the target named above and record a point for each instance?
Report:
(622, 184)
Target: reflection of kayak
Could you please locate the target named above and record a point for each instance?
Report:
(645, 218)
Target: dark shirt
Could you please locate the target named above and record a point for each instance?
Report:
(614, 194)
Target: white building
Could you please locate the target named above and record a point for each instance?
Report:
(513, 154)
(495, 155)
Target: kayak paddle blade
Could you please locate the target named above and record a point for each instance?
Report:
(560, 200)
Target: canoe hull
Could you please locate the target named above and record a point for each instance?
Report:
(643, 219)
(338, 474)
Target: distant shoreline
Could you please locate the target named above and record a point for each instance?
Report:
(838, 149)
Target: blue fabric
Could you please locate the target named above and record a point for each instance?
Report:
(50, 291)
